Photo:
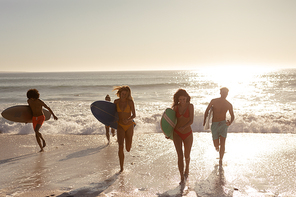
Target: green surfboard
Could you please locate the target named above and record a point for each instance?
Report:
(168, 122)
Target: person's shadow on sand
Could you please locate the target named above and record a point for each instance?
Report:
(214, 185)
(18, 158)
(94, 190)
(181, 190)
(83, 153)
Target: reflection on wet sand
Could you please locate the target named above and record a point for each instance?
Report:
(121, 184)
(80, 169)
(94, 190)
(214, 185)
(38, 174)
(32, 175)
(18, 158)
(181, 190)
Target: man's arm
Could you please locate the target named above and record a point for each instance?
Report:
(231, 114)
(48, 108)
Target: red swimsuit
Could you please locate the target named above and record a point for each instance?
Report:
(185, 115)
(38, 120)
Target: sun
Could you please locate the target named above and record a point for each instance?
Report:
(238, 79)
(229, 74)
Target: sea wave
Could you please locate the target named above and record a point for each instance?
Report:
(265, 104)
(76, 118)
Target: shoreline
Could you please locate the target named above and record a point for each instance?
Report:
(144, 133)
(83, 165)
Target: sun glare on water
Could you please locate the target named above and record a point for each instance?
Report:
(230, 75)
(240, 80)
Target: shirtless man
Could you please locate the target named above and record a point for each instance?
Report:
(220, 107)
(38, 117)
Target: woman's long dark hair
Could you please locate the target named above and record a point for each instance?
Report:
(180, 92)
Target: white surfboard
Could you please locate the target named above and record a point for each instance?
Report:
(208, 119)
(22, 113)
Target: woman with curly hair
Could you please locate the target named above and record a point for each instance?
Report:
(182, 131)
(126, 113)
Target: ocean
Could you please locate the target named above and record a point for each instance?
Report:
(264, 100)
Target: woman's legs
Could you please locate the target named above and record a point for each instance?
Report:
(128, 137)
(120, 139)
(187, 150)
(178, 145)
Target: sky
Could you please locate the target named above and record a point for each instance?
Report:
(115, 35)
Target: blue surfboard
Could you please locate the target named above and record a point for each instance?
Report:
(105, 112)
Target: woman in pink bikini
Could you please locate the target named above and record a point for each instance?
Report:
(126, 113)
(183, 132)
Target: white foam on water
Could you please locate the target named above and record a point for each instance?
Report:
(262, 103)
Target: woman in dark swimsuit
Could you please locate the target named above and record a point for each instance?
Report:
(183, 132)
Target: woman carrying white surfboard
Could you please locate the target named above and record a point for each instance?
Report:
(183, 132)
(126, 113)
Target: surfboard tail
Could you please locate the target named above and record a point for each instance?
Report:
(208, 119)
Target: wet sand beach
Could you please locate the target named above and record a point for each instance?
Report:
(84, 165)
